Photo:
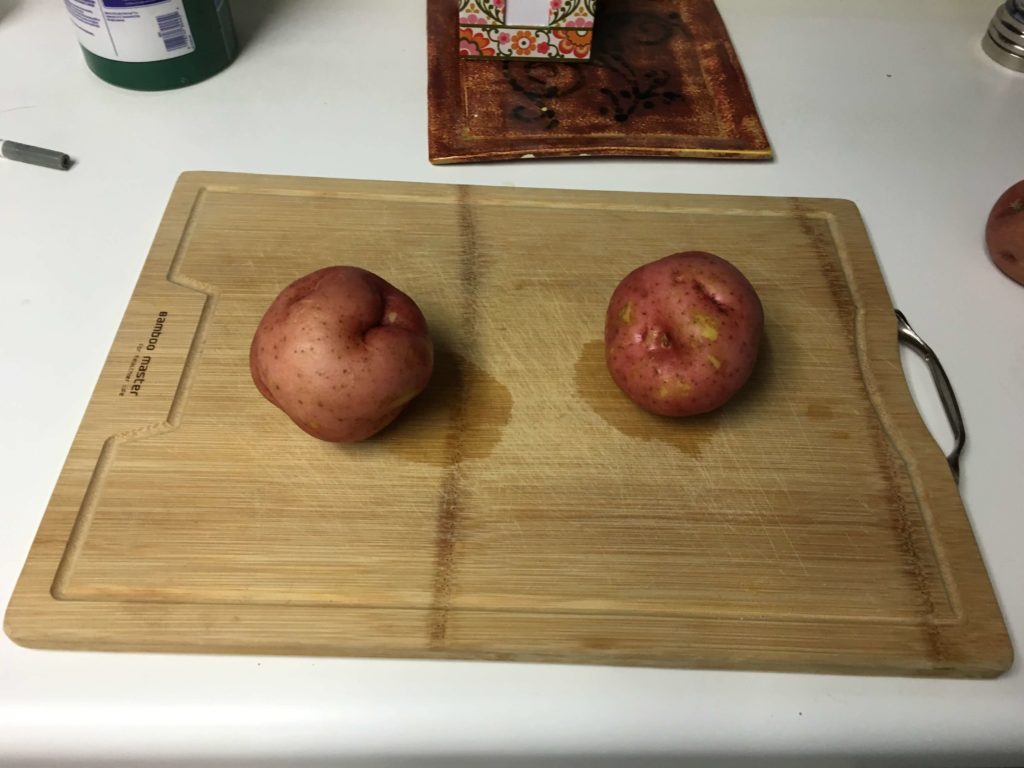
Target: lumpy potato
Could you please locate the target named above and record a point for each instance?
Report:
(341, 351)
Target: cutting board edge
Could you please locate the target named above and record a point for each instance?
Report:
(37, 633)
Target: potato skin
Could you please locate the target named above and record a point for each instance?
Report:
(341, 351)
(1004, 232)
(682, 333)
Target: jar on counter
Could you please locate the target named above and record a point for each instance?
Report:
(154, 45)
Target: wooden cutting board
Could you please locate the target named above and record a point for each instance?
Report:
(522, 509)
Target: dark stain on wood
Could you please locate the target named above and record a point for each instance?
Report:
(451, 489)
(905, 530)
(824, 247)
(447, 530)
(819, 411)
(688, 435)
(459, 392)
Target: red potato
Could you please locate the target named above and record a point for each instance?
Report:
(1004, 232)
(341, 351)
(682, 333)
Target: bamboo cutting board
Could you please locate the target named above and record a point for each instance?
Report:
(522, 508)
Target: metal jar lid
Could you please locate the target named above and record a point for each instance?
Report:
(1004, 41)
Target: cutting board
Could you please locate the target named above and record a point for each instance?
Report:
(522, 508)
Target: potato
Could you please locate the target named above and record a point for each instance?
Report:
(341, 351)
(682, 333)
(1004, 232)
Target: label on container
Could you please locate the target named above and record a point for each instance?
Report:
(132, 30)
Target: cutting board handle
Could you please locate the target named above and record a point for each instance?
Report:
(909, 336)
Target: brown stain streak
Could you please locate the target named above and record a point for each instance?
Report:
(450, 508)
(816, 232)
(902, 526)
(819, 412)
(904, 530)
(447, 526)
(423, 433)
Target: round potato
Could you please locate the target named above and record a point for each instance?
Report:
(682, 333)
(1004, 232)
(341, 351)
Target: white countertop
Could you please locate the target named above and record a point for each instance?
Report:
(890, 104)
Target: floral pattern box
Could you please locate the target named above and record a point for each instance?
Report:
(526, 29)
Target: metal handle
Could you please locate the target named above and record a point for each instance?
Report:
(909, 336)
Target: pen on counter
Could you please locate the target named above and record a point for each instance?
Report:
(26, 153)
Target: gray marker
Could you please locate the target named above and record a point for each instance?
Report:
(26, 153)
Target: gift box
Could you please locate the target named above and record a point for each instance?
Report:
(526, 29)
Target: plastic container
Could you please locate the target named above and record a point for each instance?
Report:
(154, 45)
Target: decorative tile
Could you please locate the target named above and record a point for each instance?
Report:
(526, 29)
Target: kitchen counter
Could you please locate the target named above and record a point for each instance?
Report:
(892, 105)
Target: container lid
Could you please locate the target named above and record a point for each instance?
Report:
(1004, 40)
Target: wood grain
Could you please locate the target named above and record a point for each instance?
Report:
(522, 508)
